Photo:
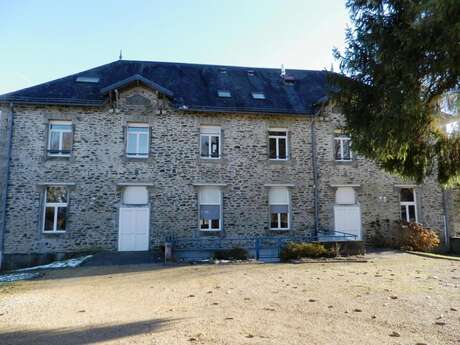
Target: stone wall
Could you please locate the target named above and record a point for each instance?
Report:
(98, 164)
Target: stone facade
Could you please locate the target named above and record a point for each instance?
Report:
(98, 166)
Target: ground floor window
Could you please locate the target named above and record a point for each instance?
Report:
(55, 209)
(279, 208)
(408, 205)
(210, 199)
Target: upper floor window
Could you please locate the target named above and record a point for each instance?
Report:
(210, 142)
(342, 148)
(60, 137)
(278, 144)
(55, 209)
(137, 144)
(224, 93)
(210, 201)
(278, 198)
(408, 204)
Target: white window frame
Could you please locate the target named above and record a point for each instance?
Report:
(56, 206)
(277, 145)
(341, 139)
(212, 204)
(138, 135)
(279, 228)
(406, 205)
(209, 132)
(61, 137)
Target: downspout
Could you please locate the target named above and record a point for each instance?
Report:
(446, 219)
(6, 178)
(315, 174)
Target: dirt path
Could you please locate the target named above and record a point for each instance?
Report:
(359, 303)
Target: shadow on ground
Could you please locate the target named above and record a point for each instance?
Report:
(83, 335)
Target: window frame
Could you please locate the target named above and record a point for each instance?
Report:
(407, 204)
(209, 135)
(341, 139)
(56, 206)
(138, 155)
(210, 229)
(270, 204)
(60, 132)
(277, 143)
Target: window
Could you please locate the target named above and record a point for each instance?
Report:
(210, 142)
(278, 144)
(224, 93)
(278, 199)
(408, 205)
(342, 148)
(137, 145)
(60, 138)
(56, 201)
(258, 95)
(91, 80)
(210, 200)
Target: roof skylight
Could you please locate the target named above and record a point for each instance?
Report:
(83, 79)
(258, 95)
(224, 93)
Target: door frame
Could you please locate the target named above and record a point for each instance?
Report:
(119, 227)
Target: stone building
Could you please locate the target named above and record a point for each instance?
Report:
(130, 154)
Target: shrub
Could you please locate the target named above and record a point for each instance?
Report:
(294, 251)
(235, 253)
(417, 237)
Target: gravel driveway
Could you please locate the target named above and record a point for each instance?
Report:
(395, 298)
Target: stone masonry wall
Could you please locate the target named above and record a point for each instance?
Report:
(99, 163)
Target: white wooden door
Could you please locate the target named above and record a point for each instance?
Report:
(134, 229)
(348, 219)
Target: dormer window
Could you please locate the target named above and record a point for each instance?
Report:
(289, 79)
(224, 93)
(258, 95)
(251, 73)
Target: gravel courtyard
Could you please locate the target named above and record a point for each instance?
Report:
(395, 298)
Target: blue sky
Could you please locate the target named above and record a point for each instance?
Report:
(43, 40)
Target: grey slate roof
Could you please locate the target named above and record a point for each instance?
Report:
(189, 86)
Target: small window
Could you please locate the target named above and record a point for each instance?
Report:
(90, 80)
(137, 144)
(210, 201)
(60, 137)
(258, 95)
(251, 73)
(342, 148)
(55, 209)
(278, 144)
(408, 205)
(224, 93)
(210, 142)
(278, 198)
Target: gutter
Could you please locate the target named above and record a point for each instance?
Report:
(446, 219)
(6, 178)
(315, 174)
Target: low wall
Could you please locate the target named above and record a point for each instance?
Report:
(15, 261)
(455, 245)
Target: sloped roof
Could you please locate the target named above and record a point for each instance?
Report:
(189, 86)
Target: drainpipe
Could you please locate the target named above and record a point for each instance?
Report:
(6, 176)
(315, 174)
(446, 219)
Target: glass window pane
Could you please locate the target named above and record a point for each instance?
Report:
(214, 146)
(282, 148)
(204, 224)
(274, 220)
(346, 149)
(61, 219)
(204, 146)
(411, 213)
(61, 127)
(143, 144)
(132, 148)
(403, 213)
(49, 219)
(284, 220)
(338, 154)
(67, 142)
(54, 141)
(215, 224)
(407, 194)
(272, 148)
(279, 134)
(56, 194)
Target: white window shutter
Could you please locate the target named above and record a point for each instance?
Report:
(210, 195)
(135, 195)
(278, 196)
(345, 196)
